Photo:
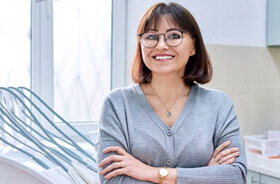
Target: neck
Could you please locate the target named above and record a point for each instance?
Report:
(168, 87)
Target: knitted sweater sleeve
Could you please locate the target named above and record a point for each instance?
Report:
(227, 128)
(112, 133)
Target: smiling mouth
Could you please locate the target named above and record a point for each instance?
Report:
(163, 58)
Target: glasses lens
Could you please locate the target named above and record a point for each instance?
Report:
(173, 38)
(149, 39)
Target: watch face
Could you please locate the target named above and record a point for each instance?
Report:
(163, 172)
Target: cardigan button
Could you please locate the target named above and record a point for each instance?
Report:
(169, 162)
(169, 133)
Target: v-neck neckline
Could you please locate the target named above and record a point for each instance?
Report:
(155, 117)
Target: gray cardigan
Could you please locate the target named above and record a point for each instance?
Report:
(207, 120)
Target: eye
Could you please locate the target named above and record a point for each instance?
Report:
(150, 36)
(174, 35)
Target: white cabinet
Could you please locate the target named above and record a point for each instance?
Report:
(273, 23)
(269, 180)
(258, 178)
(253, 177)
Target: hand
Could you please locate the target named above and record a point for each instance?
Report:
(222, 156)
(124, 164)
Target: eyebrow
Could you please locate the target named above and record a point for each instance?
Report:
(152, 30)
(171, 29)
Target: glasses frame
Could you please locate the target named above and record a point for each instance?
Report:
(165, 39)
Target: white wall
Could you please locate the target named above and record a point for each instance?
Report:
(230, 22)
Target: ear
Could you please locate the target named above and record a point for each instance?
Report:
(193, 52)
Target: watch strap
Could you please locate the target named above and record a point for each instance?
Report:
(160, 179)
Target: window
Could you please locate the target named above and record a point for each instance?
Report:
(74, 59)
(82, 57)
(15, 43)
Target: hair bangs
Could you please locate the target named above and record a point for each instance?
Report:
(154, 17)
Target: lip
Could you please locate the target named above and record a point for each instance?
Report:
(163, 57)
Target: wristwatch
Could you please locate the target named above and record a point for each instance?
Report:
(163, 172)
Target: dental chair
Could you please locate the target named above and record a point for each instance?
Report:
(31, 154)
(13, 172)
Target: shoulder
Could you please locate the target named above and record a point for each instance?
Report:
(213, 96)
(120, 92)
(119, 95)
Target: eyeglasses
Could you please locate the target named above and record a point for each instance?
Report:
(173, 38)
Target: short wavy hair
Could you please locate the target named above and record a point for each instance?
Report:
(199, 67)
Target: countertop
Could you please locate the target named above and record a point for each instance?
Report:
(265, 166)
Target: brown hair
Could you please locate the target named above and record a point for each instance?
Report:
(198, 69)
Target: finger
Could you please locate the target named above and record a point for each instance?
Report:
(226, 152)
(113, 166)
(116, 149)
(112, 158)
(228, 162)
(221, 148)
(115, 173)
(228, 157)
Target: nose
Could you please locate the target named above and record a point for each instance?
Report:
(161, 42)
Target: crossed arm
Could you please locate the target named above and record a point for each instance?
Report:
(125, 164)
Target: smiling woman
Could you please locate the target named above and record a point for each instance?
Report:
(167, 128)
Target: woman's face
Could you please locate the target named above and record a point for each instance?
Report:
(165, 59)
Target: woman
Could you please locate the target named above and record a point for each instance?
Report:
(165, 128)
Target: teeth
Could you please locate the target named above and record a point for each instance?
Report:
(163, 57)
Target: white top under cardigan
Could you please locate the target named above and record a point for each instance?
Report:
(207, 120)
